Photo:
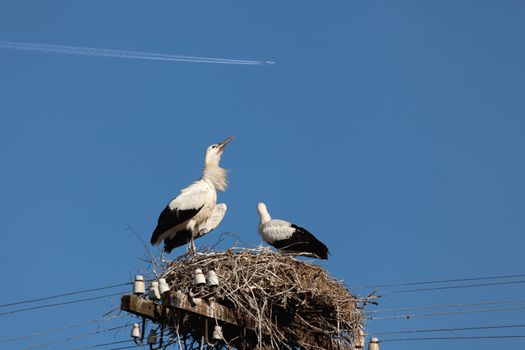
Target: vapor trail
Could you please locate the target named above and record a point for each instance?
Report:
(91, 51)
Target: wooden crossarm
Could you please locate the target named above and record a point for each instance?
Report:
(141, 307)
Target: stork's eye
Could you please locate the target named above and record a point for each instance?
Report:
(214, 146)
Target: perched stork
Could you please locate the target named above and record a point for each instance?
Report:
(289, 238)
(194, 212)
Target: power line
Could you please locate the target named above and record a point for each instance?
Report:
(66, 294)
(452, 329)
(165, 346)
(452, 287)
(136, 346)
(446, 306)
(100, 345)
(455, 338)
(408, 316)
(436, 281)
(75, 337)
(125, 347)
(59, 304)
(55, 330)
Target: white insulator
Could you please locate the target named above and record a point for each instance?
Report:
(135, 331)
(152, 337)
(139, 287)
(373, 344)
(154, 292)
(212, 279)
(198, 278)
(217, 333)
(163, 286)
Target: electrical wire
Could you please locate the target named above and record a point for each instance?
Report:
(408, 316)
(60, 304)
(436, 281)
(125, 347)
(105, 344)
(56, 330)
(451, 329)
(452, 287)
(66, 294)
(75, 337)
(455, 338)
(412, 308)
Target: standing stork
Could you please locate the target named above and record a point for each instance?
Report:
(194, 212)
(289, 238)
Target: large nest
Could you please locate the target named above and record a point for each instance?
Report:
(283, 302)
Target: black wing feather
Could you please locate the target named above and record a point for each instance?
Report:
(169, 218)
(302, 241)
(181, 238)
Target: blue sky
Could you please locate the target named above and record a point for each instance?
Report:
(391, 130)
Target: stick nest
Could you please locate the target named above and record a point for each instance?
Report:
(285, 303)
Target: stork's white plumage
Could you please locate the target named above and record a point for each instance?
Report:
(287, 237)
(194, 212)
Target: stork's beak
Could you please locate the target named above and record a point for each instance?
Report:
(225, 142)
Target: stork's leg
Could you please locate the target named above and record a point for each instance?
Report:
(191, 246)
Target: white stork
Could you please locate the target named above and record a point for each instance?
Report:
(289, 238)
(194, 212)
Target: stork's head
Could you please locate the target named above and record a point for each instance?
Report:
(263, 213)
(214, 152)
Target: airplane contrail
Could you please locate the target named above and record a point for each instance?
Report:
(139, 55)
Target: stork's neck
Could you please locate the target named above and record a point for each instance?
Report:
(216, 175)
(264, 215)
